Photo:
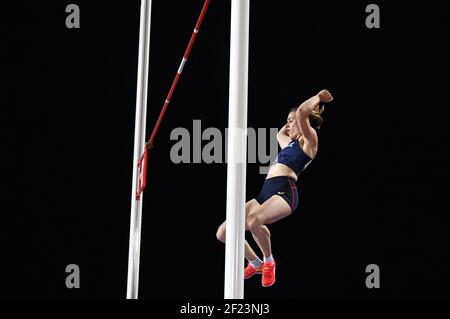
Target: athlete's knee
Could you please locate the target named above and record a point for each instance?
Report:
(254, 223)
(221, 233)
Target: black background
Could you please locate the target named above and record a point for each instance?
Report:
(378, 192)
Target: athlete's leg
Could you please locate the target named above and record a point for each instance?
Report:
(271, 211)
(274, 209)
(250, 207)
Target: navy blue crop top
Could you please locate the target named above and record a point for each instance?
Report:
(294, 157)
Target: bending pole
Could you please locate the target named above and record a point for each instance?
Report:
(237, 150)
(139, 144)
(180, 69)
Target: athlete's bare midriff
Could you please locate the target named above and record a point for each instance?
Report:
(281, 170)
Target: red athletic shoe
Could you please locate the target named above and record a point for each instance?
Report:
(268, 274)
(249, 271)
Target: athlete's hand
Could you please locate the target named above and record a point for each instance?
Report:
(325, 96)
(283, 130)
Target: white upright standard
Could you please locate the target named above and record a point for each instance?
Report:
(237, 150)
(139, 144)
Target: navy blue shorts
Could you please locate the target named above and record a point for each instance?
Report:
(283, 186)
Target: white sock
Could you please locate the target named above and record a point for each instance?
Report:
(268, 259)
(256, 263)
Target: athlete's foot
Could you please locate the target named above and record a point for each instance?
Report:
(268, 274)
(249, 271)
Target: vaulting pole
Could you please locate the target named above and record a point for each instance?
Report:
(237, 150)
(180, 69)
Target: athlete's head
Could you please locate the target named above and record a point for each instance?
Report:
(315, 119)
(292, 128)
